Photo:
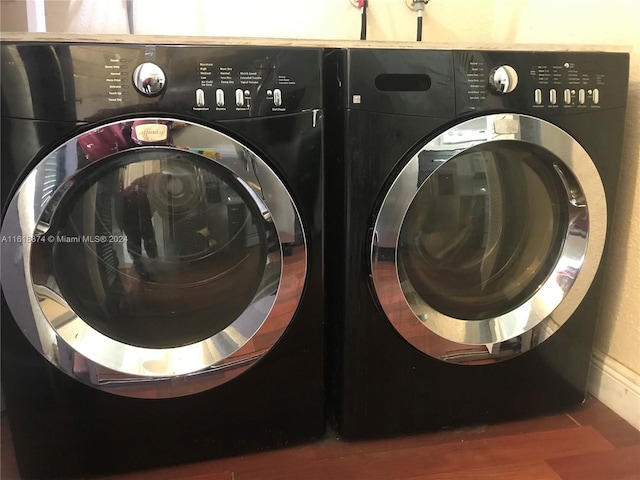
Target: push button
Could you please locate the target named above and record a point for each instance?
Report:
(582, 96)
(553, 96)
(567, 96)
(239, 98)
(200, 97)
(220, 97)
(596, 96)
(537, 96)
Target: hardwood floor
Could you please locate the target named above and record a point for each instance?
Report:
(587, 443)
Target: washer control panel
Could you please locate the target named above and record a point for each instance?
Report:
(208, 82)
(582, 96)
(566, 85)
(555, 82)
(226, 85)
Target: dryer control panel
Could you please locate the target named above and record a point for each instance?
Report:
(92, 81)
(554, 82)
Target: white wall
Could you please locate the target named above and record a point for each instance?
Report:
(12, 16)
(570, 22)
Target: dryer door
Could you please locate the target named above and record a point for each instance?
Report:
(153, 257)
(489, 238)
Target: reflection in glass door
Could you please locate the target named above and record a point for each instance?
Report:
(187, 253)
(482, 233)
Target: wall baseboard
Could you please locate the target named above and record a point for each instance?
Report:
(615, 386)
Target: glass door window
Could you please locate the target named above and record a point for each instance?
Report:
(488, 238)
(157, 249)
(484, 231)
(160, 248)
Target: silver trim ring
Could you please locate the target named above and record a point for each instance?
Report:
(494, 339)
(87, 355)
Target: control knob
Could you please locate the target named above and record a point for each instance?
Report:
(149, 79)
(503, 79)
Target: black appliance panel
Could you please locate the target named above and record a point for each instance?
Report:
(399, 81)
(64, 429)
(91, 81)
(379, 384)
(549, 83)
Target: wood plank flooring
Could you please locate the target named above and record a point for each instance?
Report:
(587, 443)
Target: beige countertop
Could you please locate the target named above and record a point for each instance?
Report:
(286, 42)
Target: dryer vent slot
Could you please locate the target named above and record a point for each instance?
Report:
(403, 82)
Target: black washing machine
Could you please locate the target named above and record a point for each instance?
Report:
(161, 253)
(469, 199)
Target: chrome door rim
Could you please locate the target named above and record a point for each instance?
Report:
(551, 306)
(68, 342)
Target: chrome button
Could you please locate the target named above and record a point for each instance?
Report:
(239, 98)
(537, 96)
(277, 97)
(220, 97)
(200, 97)
(149, 79)
(503, 79)
(582, 96)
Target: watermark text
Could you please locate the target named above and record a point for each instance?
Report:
(63, 239)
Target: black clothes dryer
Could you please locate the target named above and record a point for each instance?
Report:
(161, 255)
(469, 198)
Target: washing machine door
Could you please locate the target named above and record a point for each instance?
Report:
(489, 238)
(153, 257)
